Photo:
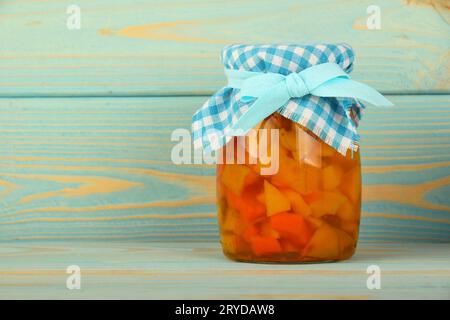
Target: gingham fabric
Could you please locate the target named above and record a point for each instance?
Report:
(334, 120)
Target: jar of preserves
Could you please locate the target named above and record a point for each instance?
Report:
(289, 172)
(308, 210)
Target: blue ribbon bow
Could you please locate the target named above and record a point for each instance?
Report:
(273, 90)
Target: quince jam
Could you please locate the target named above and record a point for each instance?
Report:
(307, 209)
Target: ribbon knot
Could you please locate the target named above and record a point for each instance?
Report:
(295, 85)
(273, 90)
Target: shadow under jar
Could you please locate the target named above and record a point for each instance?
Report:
(306, 211)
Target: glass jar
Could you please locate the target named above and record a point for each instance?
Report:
(306, 211)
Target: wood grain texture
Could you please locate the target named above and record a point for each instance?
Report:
(200, 271)
(172, 47)
(100, 169)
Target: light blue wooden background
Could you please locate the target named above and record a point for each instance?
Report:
(85, 170)
(172, 47)
(100, 168)
(86, 115)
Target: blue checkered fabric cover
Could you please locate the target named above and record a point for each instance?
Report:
(334, 120)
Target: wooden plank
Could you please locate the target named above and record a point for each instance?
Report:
(92, 168)
(172, 47)
(200, 271)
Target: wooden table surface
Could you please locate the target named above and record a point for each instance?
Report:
(198, 270)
